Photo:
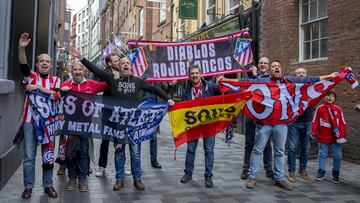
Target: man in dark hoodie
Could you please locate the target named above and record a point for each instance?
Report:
(125, 87)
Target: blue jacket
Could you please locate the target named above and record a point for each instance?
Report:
(209, 88)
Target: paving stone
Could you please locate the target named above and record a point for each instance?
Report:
(163, 185)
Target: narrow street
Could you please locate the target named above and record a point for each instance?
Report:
(163, 185)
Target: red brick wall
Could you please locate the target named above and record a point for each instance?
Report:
(279, 39)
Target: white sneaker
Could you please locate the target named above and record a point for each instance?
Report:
(127, 172)
(100, 172)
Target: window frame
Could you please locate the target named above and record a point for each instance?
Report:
(162, 11)
(229, 9)
(181, 28)
(141, 21)
(302, 32)
(208, 19)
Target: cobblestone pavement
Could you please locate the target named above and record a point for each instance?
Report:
(163, 185)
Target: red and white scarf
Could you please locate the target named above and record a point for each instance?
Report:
(196, 92)
(334, 124)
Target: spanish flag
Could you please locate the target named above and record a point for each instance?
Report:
(201, 118)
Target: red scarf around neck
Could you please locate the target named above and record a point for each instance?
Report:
(334, 124)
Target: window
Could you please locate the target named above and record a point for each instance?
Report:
(141, 23)
(313, 29)
(232, 6)
(210, 11)
(162, 11)
(83, 26)
(67, 26)
(87, 23)
(79, 17)
(79, 28)
(78, 40)
(181, 29)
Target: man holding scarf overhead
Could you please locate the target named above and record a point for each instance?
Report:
(278, 131)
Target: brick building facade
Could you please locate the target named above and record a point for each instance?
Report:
(136, 19)
(288, 28)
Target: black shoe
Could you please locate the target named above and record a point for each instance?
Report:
(26, 194)
(335, 176)
(244, 175)
(139, 184)
(270, 174)
(208, 182)
(186, 178)
(50, 191)
(155, 164)
(320, 175)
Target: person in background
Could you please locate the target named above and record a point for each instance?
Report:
(262, 72)
(299, 136)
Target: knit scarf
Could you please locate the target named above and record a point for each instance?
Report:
(196, 92)
(334, 125)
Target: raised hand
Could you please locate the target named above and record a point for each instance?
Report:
(357, 107)
(24, 40)
(30, 87)
(65, 88)
(348, 68)
(221, 77)
(173, 83)
(75, 53)
(171, 102)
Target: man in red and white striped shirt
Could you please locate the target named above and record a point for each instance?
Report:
(43, 78)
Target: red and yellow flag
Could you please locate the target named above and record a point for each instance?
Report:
(201, 118)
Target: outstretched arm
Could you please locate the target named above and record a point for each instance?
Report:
(102, 74)
(329, 76)
(151, 88)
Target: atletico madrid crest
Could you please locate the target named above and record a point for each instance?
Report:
(243, 52)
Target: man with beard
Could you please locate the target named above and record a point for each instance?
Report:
(43, 78)
(277, 131)
(112, 66)
(199, 88)
(126, 87)
(78, 166)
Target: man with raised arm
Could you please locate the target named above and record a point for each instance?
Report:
(43, 78)
(278, 131)
(126, 87)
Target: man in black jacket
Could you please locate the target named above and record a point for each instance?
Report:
(125, 87)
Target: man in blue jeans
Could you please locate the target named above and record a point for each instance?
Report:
(299, 136)
(43, 78)
(199, 88)
(261, 71)
(277, 131)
